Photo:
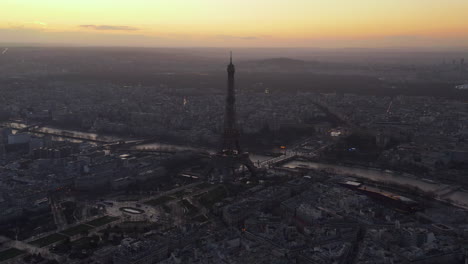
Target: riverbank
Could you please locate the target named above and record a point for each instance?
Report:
(443, 192)
(63, 133)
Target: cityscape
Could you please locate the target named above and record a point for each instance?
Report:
(136, 154)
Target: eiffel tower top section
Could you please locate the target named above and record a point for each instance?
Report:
(231, 133)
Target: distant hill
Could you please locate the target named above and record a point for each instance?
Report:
(283, 63)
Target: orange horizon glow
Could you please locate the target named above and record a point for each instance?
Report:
(295, 23)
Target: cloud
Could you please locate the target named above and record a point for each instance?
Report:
(31, 34)
(85, 38)
(107, 27)
(405, 37)
(28, 24)
(248, 38)
(39, 23)
(237, 37)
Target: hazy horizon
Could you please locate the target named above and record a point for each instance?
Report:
(298, 23)
(317, 48)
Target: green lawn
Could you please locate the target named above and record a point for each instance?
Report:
(76, 230)
(45, 241)
(204, 185)
(85, 243)
(208, 199)
(159, 201)
(102, 221)
(10, 253)
(179, 194)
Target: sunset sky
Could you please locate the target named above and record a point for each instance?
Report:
(239, 23)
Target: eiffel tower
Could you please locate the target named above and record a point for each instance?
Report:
(230, 156)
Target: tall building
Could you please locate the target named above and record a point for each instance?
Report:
(230, 143)
(230, 156)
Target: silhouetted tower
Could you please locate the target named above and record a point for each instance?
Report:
(231, 133)
(226, 162)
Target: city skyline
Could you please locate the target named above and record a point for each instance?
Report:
(298, 23)
(221, 131)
